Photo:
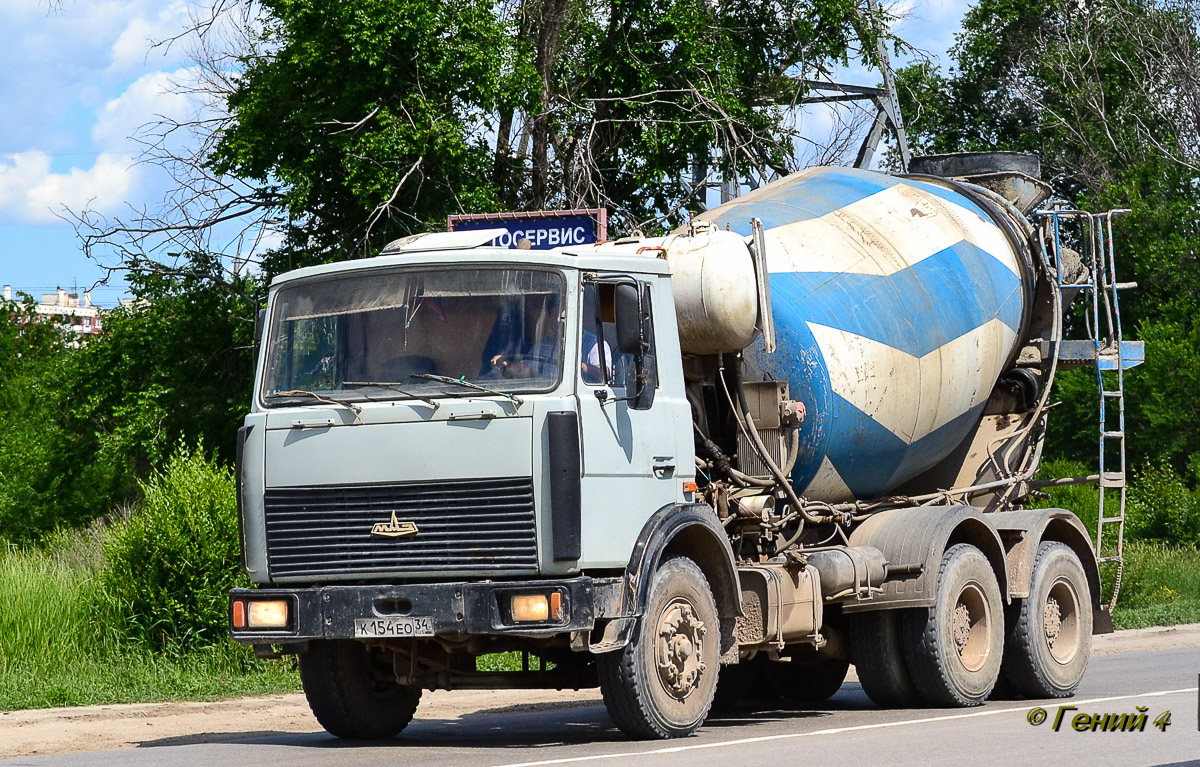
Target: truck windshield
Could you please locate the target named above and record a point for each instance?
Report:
(377, 335)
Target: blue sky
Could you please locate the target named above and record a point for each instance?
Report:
(79, 77)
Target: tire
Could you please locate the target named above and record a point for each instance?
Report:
(352, 691)
(1047, 648)
(875, 649)
(661, 684)
(807, 682)
(954, 649)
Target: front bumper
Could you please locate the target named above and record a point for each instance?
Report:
(456, 609)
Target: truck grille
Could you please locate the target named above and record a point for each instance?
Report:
(462, 526)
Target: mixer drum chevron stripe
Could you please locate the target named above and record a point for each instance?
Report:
(898, 304)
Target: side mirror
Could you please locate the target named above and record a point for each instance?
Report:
(641, 380)
(628, 319)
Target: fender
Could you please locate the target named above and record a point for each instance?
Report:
(1023, 531)
(919, 536)
(688, 529)
(692, 530)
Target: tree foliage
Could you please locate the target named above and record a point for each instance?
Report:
(31, 360)
(84, 425)
(168, 569)
(366, 111)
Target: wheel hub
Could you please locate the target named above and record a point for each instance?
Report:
(1061, 622)
(1052, 619)
(971, 627)
(961, 627)
(679, 649)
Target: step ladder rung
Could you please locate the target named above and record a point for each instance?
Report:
(1116, 394)
(1076, 286)
(1113, 520)
(1112, 479)
(1113, 434)
(1103, 560)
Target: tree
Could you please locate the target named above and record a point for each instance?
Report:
(325, 129)
(174, 366)
(31, 352)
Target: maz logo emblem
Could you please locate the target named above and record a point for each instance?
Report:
(394, 529)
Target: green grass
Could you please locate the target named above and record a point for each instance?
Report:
(502, 661)
(1160, 585)
(59, 647)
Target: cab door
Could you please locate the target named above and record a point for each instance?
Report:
(632, 460)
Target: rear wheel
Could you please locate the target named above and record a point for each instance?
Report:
(661, 684)
(954, 648)
(353, 691)
(1048, 645)
(878, 658)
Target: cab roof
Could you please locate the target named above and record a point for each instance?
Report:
(634, 255)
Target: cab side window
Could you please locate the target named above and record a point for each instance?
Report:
(597, 365)
(600, 364)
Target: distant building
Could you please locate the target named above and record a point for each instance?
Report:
(73, 311)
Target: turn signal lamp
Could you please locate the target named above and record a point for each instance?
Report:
(239, 614)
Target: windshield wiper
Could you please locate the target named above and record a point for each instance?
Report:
(327, 400)
(393, 387)
(470, 385)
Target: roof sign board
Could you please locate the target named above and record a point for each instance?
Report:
(544, 229)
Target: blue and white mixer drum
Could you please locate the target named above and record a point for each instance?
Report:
(897, 304)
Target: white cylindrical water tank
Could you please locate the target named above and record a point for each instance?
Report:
(716, 300)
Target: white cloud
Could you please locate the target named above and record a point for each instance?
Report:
(151, 97)
(30, 193)
(33, 188)
(57, 67)
(132, 48)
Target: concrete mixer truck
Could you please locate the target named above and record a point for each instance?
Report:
(796, 434)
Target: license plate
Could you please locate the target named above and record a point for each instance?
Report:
(408, 626)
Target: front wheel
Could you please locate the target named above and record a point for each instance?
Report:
(661, 684)
(1048, 645)
(353, 691)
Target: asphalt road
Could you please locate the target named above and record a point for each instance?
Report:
(847, 729)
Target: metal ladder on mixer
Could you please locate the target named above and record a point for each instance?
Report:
(1111, 356)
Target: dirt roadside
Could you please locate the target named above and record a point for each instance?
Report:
(101, 728)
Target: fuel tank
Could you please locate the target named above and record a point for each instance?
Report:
(897, 302)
